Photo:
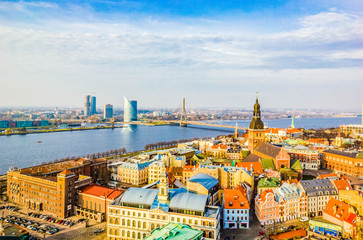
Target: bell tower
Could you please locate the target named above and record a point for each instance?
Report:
(256, 131)
(163, 194)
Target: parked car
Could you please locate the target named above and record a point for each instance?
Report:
(304, 219)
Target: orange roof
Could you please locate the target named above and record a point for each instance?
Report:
(273, 130)
(339, 210)
(99, 191)
(220, 146)
(263, 195)
(323, 176)
(342, 184)
(257, 166)
(293, 130)
(290, 181)
(290, 235)
(236, 198)
(189, 168)
(66, 172)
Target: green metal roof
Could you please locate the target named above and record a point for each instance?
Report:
(296, 165)
(268, 163)
(175, 231)
(269, 182)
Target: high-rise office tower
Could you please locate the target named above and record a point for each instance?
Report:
(93, 105)
(108, 111)
(130, 110)
(87, 106)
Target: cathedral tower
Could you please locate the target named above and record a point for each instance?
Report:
(256, 131)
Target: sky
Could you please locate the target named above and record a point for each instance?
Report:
(294, 53)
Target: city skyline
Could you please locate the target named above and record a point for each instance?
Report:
(298, 54)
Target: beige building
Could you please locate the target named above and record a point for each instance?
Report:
(135, 173)
(156, 171)
(139, 211)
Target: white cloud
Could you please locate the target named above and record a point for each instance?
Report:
(152, 57)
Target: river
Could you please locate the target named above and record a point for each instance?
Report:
(24, 151)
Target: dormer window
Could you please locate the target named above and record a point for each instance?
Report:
(230, 204)
(242, 204)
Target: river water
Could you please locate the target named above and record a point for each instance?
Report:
(24, 151)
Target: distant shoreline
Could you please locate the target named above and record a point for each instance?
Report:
(59, 130)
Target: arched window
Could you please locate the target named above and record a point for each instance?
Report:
(138, 235)
(123, 233)
(139, 224)
(133, 235)
(116, 232)
(128, 223)
(128, 233)
(210, 234)
(116, 221)
(111, 220)
(123, 221)
(144, 224)
(152, 226)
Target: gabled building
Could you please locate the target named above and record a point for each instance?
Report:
(266, 208)
(236, 208)
(292, 201)
(279, 155)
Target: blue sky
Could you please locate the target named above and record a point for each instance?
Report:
(297, 54)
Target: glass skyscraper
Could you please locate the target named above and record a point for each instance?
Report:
(130, 110)
(90, 105)
(108, 111)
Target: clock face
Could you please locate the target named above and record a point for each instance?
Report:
(258, 126)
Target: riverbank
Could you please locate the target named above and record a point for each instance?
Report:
(57, 130)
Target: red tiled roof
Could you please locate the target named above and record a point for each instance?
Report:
(99, 191)
(293, 130)
(290, 235)
(257, 166)
(220, 146)
(189, 168)
(342, 184)
(236, 198)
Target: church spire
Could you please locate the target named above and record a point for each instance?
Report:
(236, 131)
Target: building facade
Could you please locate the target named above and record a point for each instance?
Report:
(318, 192)
(56, 195)
(309, 158)
(139, 211)
(266, 208)
(343, 162)
(93, 201)
(130, 110)
(236, 208)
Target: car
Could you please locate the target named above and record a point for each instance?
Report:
(261, 233)
(304, 219)
(98, 230)
(49, 232)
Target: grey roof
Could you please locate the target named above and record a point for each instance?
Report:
(341, 153)
(205, 180)
(268, 149)
(318, 187)
(139, 196)
(189, 201)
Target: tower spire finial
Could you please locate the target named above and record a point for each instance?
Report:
(256, 95)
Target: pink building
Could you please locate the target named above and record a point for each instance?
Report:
(266, 207)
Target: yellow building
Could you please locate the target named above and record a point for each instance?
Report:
(139, 211)
(354, 198)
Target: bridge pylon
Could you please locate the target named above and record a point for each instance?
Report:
(183, 115)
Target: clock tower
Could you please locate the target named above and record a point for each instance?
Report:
(256, 131)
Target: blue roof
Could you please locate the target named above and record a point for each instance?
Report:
(189, 201)
(205, 180)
